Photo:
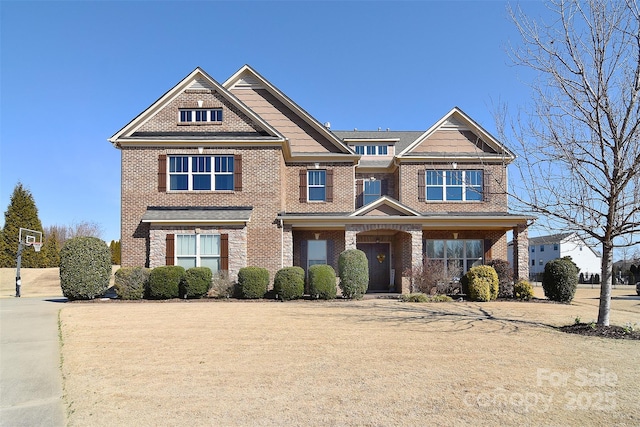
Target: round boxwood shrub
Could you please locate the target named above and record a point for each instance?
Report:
(253, 282)
(131, 282)
(288, 283)
(560, 280)
(523, 290)
(353, 269)
(322, 281)
(505, 277)
(164, 282)
(85, 268)
(196, 282)
(482, 283)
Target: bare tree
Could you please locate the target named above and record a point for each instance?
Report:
(579, 141)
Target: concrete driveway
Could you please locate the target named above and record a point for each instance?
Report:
(30, 378)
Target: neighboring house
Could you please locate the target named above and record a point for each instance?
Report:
(543, 249)
(237, 174)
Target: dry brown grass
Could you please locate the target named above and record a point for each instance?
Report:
(367, 363)
(36, 282)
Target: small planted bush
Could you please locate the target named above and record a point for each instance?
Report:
(322, 282)
(196, 282)
(482, 283)
(253, 282)
(560, 280)
(131, 282)
(221, 285)
(85, 268)
(420, 297)
(523, 290)
(353, 269)
(164, 282)
(288, 283)
(505, 277)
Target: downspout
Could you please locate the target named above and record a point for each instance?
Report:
(281, 243)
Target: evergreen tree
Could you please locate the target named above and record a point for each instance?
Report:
(21, 213)
(114, 247)
(51, 248)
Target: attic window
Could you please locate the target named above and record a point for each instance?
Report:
(371, 150)
(201, 115)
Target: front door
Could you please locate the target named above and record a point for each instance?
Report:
(379, 263)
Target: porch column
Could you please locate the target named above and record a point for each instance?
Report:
(287, 246)
(415, 231)
(521, 252)
(350, 237)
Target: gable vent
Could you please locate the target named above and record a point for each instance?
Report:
(200, 83)
(247, 82)
(453, 124)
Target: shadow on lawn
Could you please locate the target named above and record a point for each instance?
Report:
(444, 317)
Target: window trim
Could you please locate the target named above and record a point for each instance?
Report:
(465, 259)
(190, 173)
(310, 186)
(365, 194)
(198, 256)
(213, 115)
(445, 179)
(376, 149)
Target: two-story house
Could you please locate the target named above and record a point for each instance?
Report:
(543, 249)
(237, 174)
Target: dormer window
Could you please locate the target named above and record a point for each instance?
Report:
(210, 115)
(371, 150)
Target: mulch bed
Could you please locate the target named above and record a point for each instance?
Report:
(593, 330)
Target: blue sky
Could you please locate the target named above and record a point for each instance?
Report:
(74, 73)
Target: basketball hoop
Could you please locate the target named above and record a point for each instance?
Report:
(36, 246)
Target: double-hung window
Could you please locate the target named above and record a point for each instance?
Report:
(198, 250)
(201, 173)
(212, 115)
(453, 185)
(316, 184)
(372, 191)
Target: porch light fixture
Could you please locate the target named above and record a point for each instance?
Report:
(317, 235)
(455, 236)
(373, 178)
(200, 150)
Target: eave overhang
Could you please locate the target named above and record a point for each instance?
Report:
(427, 222)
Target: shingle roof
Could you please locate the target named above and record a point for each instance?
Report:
(405, 138)
(549, 239)
(197, 214)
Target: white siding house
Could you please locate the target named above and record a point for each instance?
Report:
(543, 249)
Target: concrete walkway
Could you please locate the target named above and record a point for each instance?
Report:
(30, 378)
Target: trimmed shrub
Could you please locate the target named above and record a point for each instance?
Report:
(560, 280)
(131, 282)
(221, 285)
(85, 268)
(164, 282)
(523, 290)
(482, 283)
(288, 283)
(353, 269)
(253, 282)
(505, 277)
(196, 282)
(420, 297)
(322, 281)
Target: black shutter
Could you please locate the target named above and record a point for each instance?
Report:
(224, 252)
(303, 185)
(359, 193)
(237, 172)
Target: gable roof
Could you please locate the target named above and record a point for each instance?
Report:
(549, 239)
(457, 119)
(196, 79)
(386, 201)
(249, 78)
